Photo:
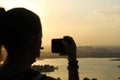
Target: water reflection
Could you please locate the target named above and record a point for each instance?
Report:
(91, 68)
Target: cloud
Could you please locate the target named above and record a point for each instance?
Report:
(111, 12)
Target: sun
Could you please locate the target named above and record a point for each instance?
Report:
(8, 4)
(32, 5)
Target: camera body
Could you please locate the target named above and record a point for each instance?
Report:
(58, 46)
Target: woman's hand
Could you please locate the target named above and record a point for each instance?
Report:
(70, 48)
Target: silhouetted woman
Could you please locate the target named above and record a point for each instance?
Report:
(21, 35)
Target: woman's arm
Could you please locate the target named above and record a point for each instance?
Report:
(71, 51)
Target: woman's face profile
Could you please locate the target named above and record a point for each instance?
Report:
(34, 50)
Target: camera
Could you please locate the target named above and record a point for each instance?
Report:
(58, 46)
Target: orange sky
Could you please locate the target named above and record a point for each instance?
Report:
(89, 22)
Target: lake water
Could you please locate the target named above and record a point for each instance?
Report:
(100, 68)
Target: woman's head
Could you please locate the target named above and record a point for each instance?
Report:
(21, 34)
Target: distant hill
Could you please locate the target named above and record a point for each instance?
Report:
(105, 52)
(89, 51)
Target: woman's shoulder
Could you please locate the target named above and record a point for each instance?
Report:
(38, 76)
(50, 78)
(43, 77)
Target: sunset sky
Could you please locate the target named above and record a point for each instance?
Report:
(89, 22)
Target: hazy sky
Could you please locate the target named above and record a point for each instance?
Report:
(89, 22)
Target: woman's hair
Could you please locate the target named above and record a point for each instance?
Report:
(17, 27)
(2, 12)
